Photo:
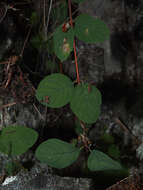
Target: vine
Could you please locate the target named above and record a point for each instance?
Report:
(57, 90)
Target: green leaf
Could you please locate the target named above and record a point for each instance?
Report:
(55, 90)
(90, 30)
(15, 140)
(63, 43)
(85, 103)
(57, 153)
(98, 161)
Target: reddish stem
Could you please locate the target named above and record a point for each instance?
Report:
(76, 64)
(74, 44)
(61, 67)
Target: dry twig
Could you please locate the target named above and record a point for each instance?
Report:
(7, 105)
(125, 128)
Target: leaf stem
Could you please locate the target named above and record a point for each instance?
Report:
(74, 44)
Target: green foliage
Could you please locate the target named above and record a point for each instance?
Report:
(86, 103)
(90, 30)
(63, 43)
(55, 90)
(87, 29)
(85, 100)
(57, 153)
(15, 140)
(98, 161)
(60, 154)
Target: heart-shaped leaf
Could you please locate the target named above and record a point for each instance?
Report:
(55, 90)
(57, 153)
(15, 140)
(90, 30)
(98, 161)
(86, 103)
(63, 43)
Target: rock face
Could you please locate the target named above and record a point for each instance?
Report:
(10, 37)
(40, 179)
